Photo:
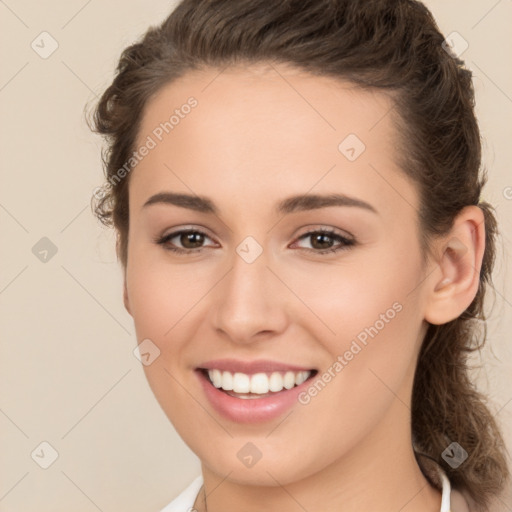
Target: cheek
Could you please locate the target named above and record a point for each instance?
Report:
(361, 290)
(164, 299)
(167, 302)
(377, 321)
(374, 323)
(163, 295)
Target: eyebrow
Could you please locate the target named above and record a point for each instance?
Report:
(292, 204)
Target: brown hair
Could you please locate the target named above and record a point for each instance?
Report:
(391, 45)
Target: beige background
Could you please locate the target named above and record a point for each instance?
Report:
(67, 372)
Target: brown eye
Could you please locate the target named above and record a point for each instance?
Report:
(325, 241)
(191, 239)
(321, 241)
(185, 241)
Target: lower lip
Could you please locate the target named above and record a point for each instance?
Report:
(250, 410)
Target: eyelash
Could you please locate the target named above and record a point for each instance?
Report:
(345, 243)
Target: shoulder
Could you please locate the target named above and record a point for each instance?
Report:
(185, 501)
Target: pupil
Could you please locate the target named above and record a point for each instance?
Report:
(191, 240)
(323, 239)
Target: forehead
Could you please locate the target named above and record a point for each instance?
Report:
(266, 127)
(261, 95)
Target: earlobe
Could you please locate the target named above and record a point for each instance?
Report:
(125, 298)
(454, 283)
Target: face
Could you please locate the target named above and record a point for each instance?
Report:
(273, 239)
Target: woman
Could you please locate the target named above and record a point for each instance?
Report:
(296, 191)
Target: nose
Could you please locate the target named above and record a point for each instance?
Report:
(250, 303)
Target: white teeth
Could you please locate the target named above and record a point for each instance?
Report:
(227, 381)
(289, 380)
(241, 383)
(258, 383)
(216, 378)
(275, 383)
(299, 379)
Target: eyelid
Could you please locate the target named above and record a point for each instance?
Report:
(319, 228)
(187, 227)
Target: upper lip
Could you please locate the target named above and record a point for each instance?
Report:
(251, 367)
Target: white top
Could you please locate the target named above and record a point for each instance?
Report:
(185, 501)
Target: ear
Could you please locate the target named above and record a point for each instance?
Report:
(125, 289)
(453, 284)
(125, 296)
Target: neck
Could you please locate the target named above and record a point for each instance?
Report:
(359, 480)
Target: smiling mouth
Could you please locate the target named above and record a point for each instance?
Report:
(256, 385)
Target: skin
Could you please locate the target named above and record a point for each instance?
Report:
(257, 136)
